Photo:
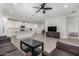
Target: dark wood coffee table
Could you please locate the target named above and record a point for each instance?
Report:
(32, 44)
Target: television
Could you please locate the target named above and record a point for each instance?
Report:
(52, 28)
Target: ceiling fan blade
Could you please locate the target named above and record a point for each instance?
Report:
(43, 5)
(37, 11)
(47, 8)
(36, 7)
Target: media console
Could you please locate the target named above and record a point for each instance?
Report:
(53, 34)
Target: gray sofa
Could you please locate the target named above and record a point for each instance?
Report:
(64, 49)
(7, 48)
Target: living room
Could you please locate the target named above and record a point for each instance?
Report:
(50, 25)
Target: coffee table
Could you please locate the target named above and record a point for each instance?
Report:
(32, 44)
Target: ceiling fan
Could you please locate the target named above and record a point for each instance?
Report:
(42, 7)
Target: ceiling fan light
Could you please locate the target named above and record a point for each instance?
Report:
(44, 12)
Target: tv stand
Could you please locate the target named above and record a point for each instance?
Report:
(53, 34)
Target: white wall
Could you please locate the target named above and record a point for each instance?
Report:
(1, 22)
(40, 28)
(60, 22)
(5, 25)
(73, 24)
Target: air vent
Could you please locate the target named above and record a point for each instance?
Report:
(74, 11)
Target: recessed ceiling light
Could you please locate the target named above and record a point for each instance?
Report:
(65, 6)
(15, 4)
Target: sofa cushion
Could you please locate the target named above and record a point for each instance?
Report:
(4, 39)
(3, 45)
(3, 36)
(1, 54)
(68, 48)
(58, 52)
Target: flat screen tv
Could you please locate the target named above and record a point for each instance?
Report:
(52, 28)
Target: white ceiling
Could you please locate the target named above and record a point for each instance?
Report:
(27, 12)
